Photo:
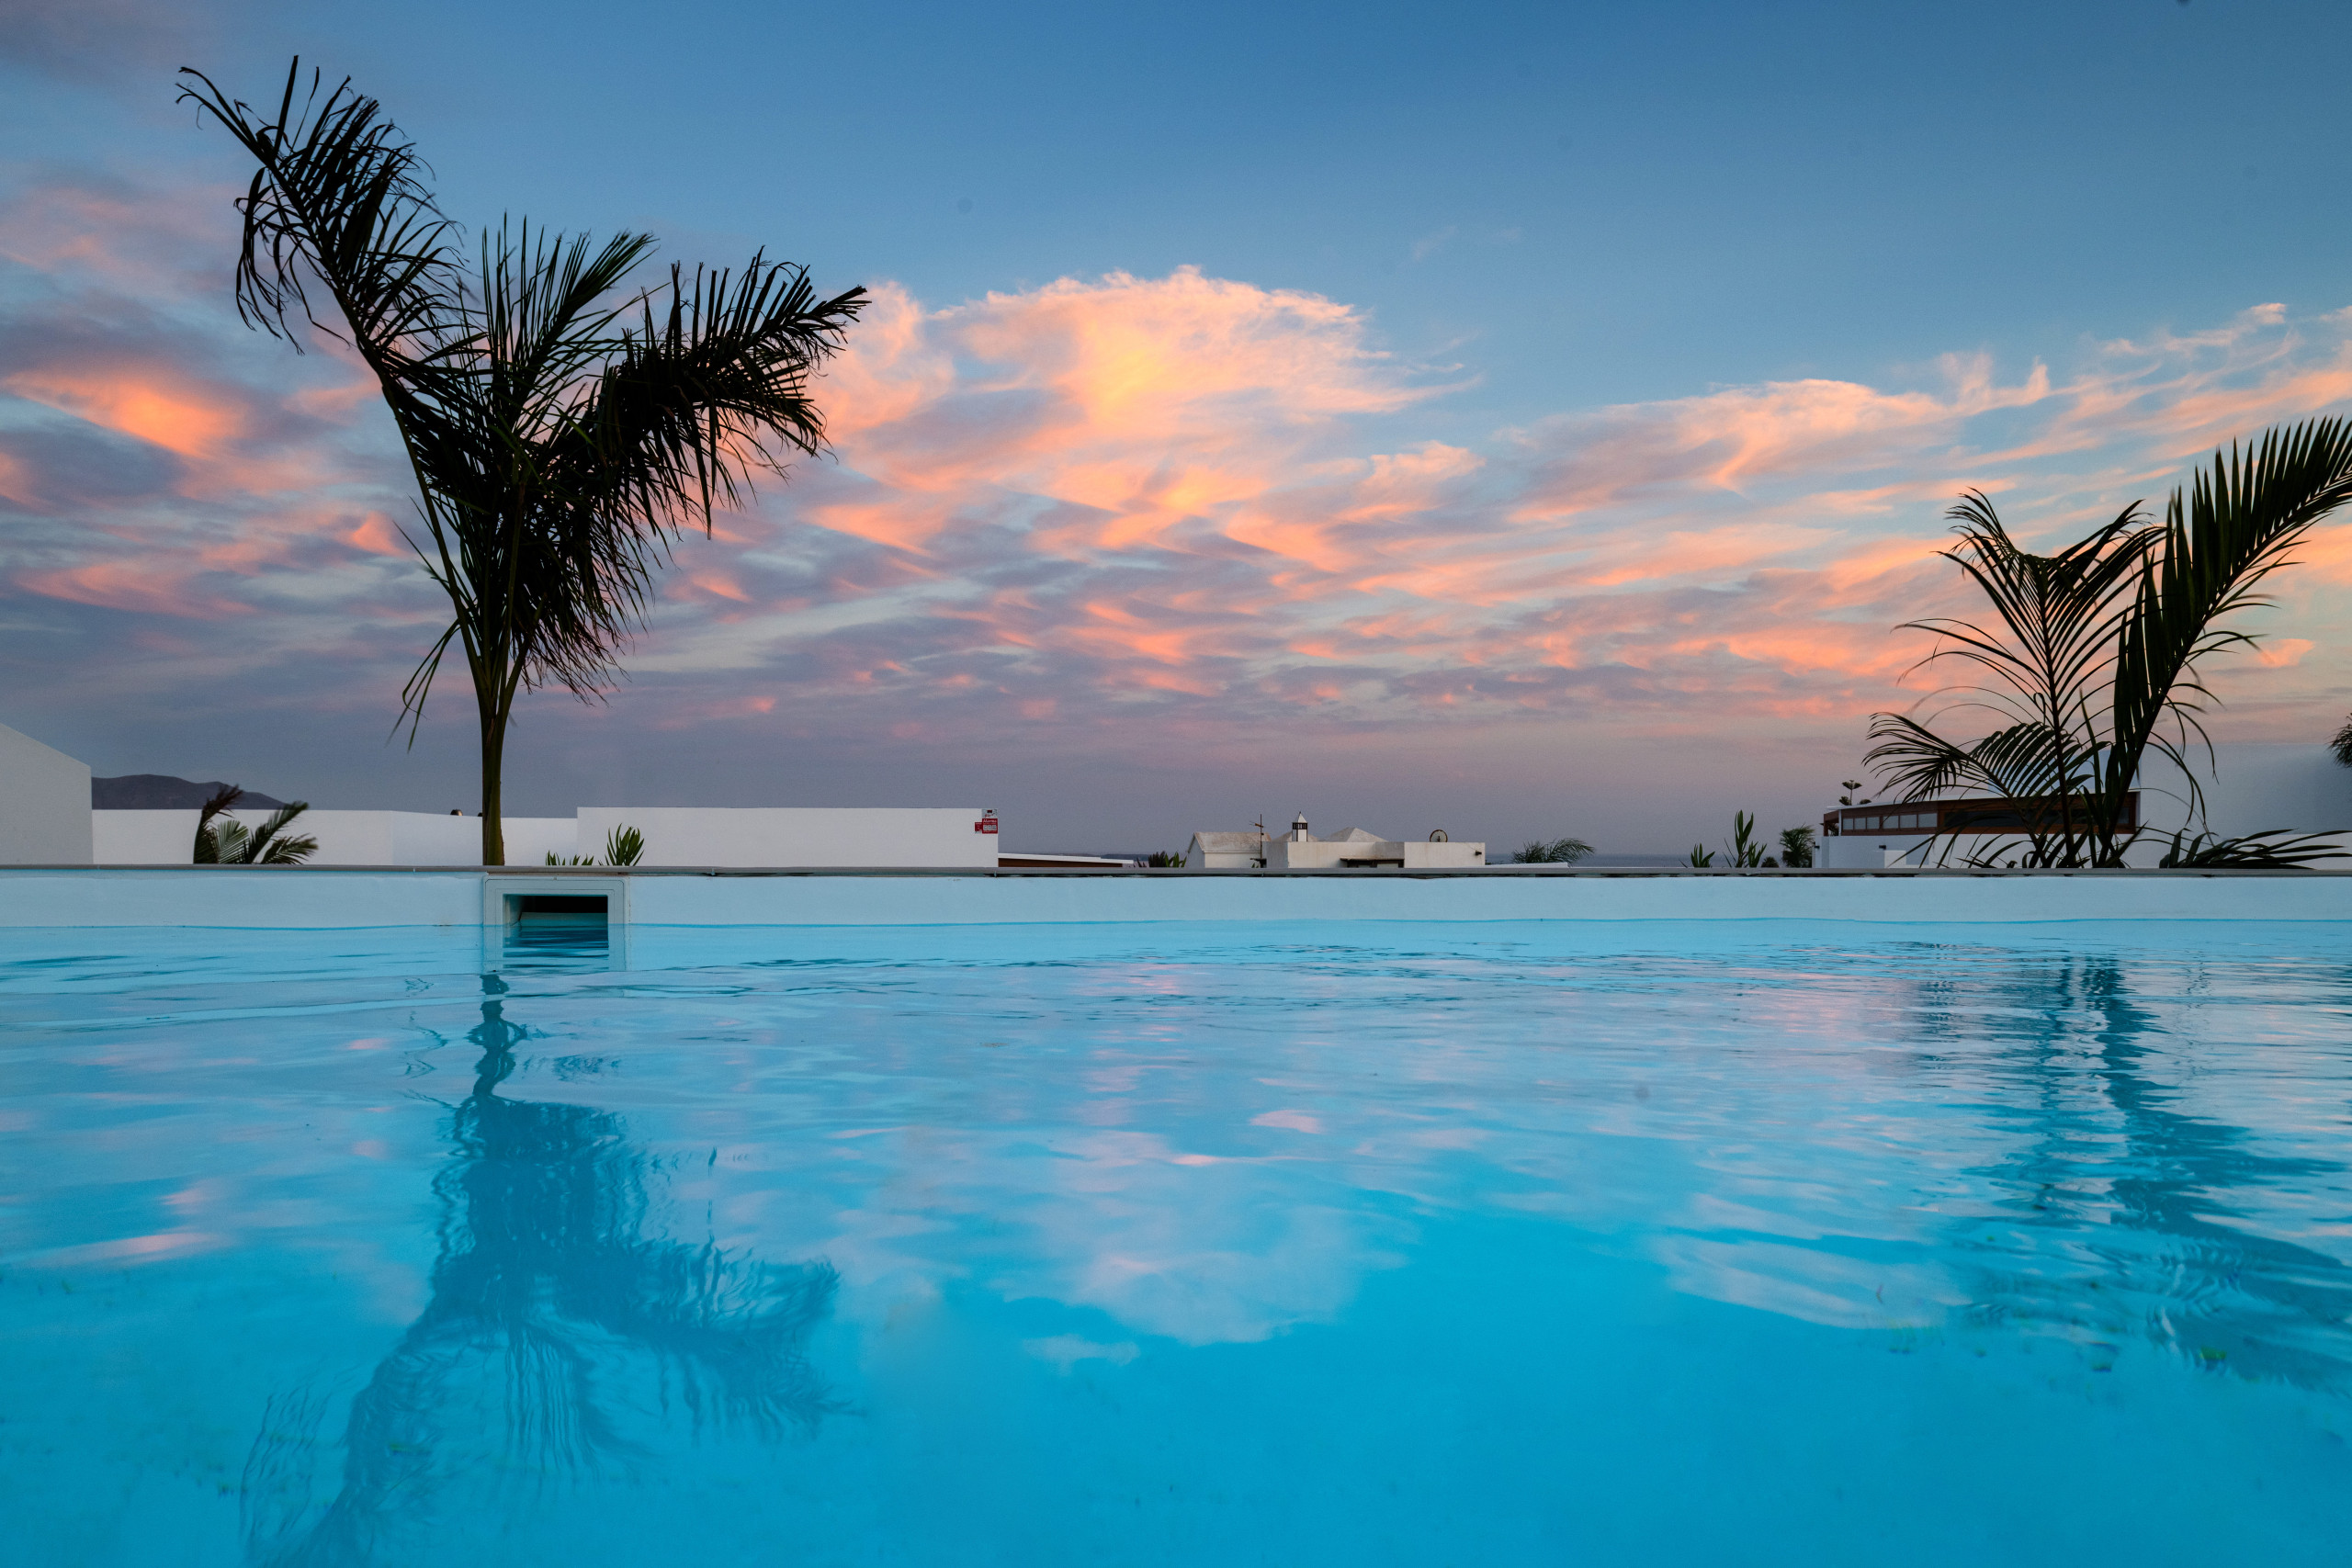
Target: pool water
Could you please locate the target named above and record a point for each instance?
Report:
(1346, 1244)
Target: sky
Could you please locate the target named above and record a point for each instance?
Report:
(1521, 422)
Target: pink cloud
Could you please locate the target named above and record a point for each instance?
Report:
(377, 535)
(1171, 471)
(1179, 501)
(133, 585)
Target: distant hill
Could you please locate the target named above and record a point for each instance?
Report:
(160, 792)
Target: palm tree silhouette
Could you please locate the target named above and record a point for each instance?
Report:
(547, 1300)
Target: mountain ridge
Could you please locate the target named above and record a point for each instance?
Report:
(163, 792)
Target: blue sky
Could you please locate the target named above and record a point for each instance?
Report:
(1539, 223)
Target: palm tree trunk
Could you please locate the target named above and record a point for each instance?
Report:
(493, 759)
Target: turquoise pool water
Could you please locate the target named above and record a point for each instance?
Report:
(1214, 1244)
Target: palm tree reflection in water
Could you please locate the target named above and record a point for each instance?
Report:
(2145, 1220)
(546, 1296)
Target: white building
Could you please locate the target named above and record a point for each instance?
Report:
(1300, 850)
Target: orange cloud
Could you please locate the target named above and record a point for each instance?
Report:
(154, 405)
(377, 536)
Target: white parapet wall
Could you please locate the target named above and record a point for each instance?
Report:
(327, 899)
(530, 839)
(345, 837)
(44, 804)
(674, 836)
(143, 838)
(795, 836)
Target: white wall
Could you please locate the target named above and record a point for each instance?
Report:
(2251, 787)
(422, 838)
(345, 837)
(44, 804)
(530, 839)
(143, 838)
(794, 835)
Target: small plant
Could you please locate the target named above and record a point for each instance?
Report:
(1796, 846)
(1847, 799)
(231, 842)
(623, 846)
(1701, 855)
(1554, 851)
(1165, 860)
(1745, 850)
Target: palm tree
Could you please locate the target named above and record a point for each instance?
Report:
(2092, 657)
(2057, 618)
(231, 842)
(563, 431)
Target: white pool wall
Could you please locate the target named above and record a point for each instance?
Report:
(332, 898)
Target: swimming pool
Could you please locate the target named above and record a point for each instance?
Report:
(1284, 1244)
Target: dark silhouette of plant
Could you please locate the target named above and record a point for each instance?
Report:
(2342, 744)
(623, 846)
(1701, 855)
(2057, 620)
(1554, 851)
(1165, 860)
(553, 1291)
(223, 840)
(1796, 846)
(2277, 850)
(2091, 661)
(563, 431)
(1745, 850)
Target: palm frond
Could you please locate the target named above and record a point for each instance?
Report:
(272, 845)
(2274, 850)
(206, 850)
(335, 200)
(2235, 526)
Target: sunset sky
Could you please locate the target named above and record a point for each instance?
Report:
(1518, 420)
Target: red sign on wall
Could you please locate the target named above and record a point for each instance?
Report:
(985, 825)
